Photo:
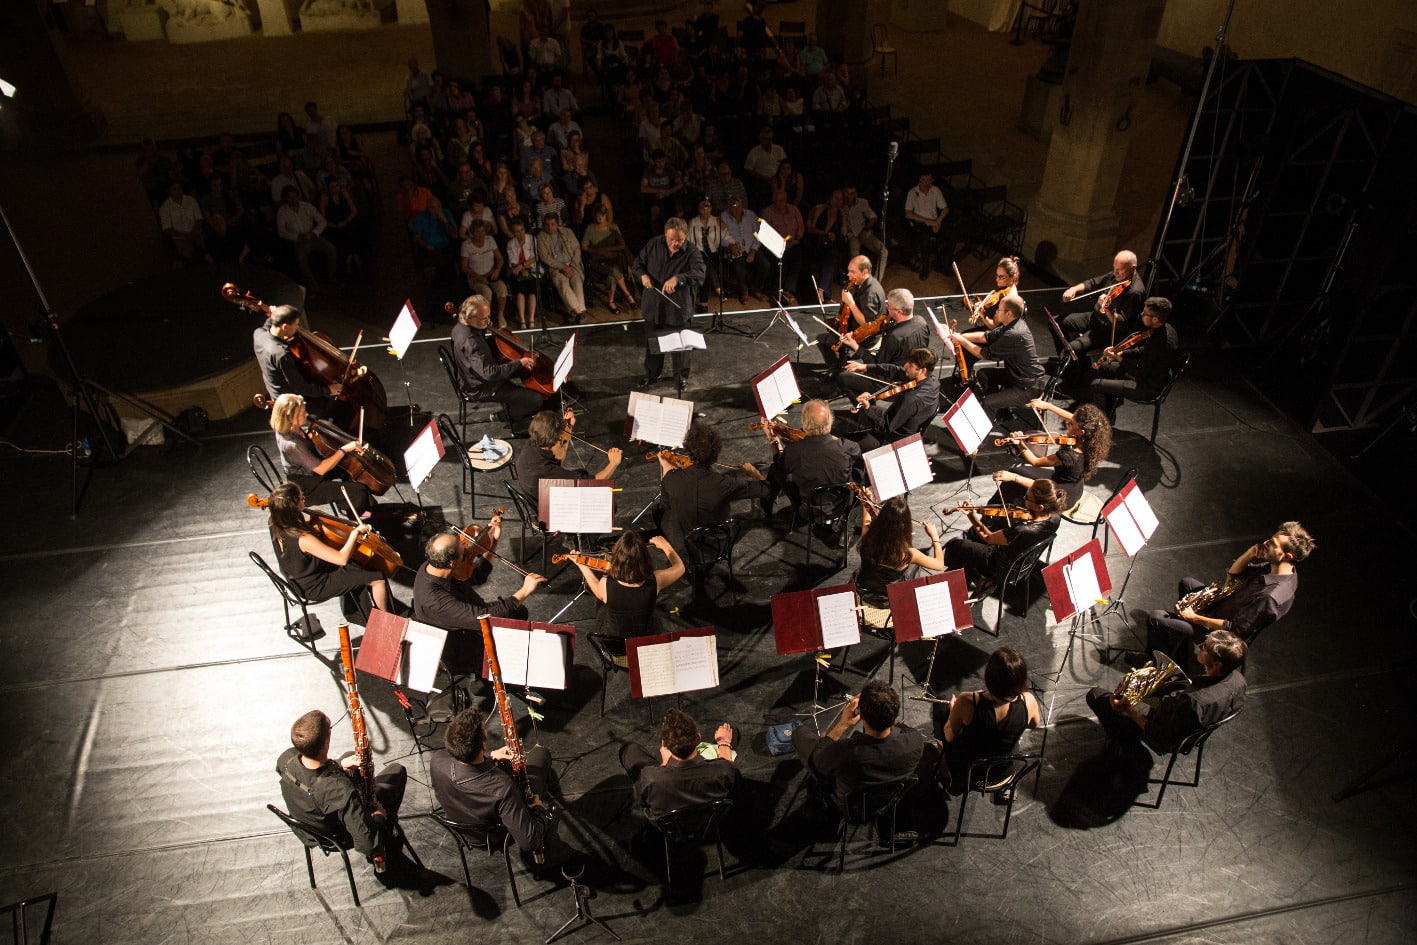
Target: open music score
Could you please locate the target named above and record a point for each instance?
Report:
(1078, 582)
(896, 468)
(402, 651)
(941, 330)
(422, 455)
(579, 506)
(968, 423)
(1131, 519)
(405, 327)
(820, 618)
(565, 361)
(685, 339)
(659, 420)
(931, 606)
(532, 653)
(666, 663)
(776, 388)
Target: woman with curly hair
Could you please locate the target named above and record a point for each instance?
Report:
(1071, 465)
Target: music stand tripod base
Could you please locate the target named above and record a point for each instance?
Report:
(582, 917)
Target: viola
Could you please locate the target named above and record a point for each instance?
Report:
(366, 465)
(541, 377)
(1106, 301)
(843, 321)
(887, 393)
(322, 362)
(1131, 341)
(961, 365)
(868, 330)
(998, 511)
(678, 460)
(595, 564)
(474, 541)
(1048, 439)
(370, 551)
(988, 302)
(779, 430)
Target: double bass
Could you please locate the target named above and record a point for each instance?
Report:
(370, 552)
(322, 362)
(541, 377)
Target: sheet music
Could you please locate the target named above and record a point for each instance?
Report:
(405, 327)
(771, 240)
(425, 648)
(663, 422)
(512, 652)
(1124, 527)
(778, 390)
(1081, 577)
(564, 362)
(546, 654)
(936, 606)
(1140, 508)
(796, 329)
(695, 663)
(656, 665)
(683, 340)
(914, 464)
(423, 454)
(941, 331)
(584, 509)
(969, 423)
(837, 614)
(887, 479)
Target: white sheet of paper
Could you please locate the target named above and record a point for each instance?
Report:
(970, 424)
(695, 663)
(1081, 578)
(683, 340)
(796, 329)
(941, 331)
(914, 464)
(778, 390)
(656, 669)
(1124, 527)
(936, 606)
(564, 362)
(584, 510)
(1140, 508)
(885, 472)
(512, 652)
(419, 668)
(423, 454)
(405, 327)
(837, 614)
(771, 240)
(663, 422)
(546, 653)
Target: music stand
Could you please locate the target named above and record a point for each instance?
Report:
(401, 336)
(811, 621)
(561, 372)
(1076, 585)
(1130, 518)
(930, 607)
(672, 663)
(896, 468)
(421, 457)
(532, 653)
(663, 421)
(969, 424)
(1066, 354)
(775, 243)
(407, 654)
(775, 389)
(582, 917)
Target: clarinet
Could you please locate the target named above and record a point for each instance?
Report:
(509, 725)
(362, 754)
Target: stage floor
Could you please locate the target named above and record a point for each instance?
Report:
(149, 688)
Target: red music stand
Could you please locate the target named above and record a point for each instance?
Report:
(676, 669)
(1076, 585)
(947, 610)
(797, 627)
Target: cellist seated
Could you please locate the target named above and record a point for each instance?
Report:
(482, 374)
(320, 571)
(319, 478)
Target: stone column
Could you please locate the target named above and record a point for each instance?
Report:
(48, 110)
(462, 38)
(1075, 208)
(276, 17)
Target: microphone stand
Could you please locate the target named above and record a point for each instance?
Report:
(885, 206)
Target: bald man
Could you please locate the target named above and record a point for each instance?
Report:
(818, 459)
(1094, 330)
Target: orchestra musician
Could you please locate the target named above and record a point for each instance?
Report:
(887, 552)
(698, 494)
(818, 459)
(906, 412)
(1006, 274)
(1068, 466)
(440, 600)
(1110, 319)
(472, 789)
(550, 437)
(627, 592)
(317, 570)
(280, 371)
(986, 722)
(987, 553)
(320, 479)
(1140, 371)
(865, 369)
(671, 269)
(1020, 379)
(482, 375)
(862, 301)
(687, 772)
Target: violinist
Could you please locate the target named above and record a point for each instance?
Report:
(317, 570)
(319, 478)
(627, 592)
(818, 459)
(862, 301)
(550, 437)
(987, 553)
(1110, 319)
(698, 494)
(1140, 371)
(280, 371)
(440, 600)
(1005, 283)
(1069, 465)
(867, 369)
(887, 552)
(482, 375)
(905, 412)
(1021, 377)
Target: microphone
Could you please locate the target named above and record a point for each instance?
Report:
(895, 149)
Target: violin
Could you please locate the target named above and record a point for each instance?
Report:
(1106, 301)
(988, 302)
(869, 504)
(779, 430)
(1048, 439)
(595, 564)
(998, 511)
(474, 541)
(322, 362)
(888, 392)
(843, 321)
(678, 460)
(1131, 341)
(366, 465)
(370, 551)
(541, 377)
(868, 330)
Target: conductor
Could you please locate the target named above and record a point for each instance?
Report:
(671, 269)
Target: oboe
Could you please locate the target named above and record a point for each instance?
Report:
(361, 736)
(509, 725)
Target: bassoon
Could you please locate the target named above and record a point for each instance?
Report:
(362, 755)
(509, 725)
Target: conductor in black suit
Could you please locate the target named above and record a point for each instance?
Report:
(671, 269)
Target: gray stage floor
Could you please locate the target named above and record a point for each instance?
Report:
(148, 688)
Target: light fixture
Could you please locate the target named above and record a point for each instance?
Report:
(7, 89)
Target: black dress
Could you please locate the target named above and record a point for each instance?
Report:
(984, 736)
(315, 579)
(628, 610)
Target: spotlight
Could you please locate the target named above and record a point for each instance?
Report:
(7, 89)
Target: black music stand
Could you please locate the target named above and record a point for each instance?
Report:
(582, 917)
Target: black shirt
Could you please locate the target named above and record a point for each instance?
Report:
(696, 496)
(279, 369)
(896, 344)
(1013, 345)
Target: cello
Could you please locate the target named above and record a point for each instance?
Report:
(366, 465)
(370, 552)
(541, 377)
(323, 363)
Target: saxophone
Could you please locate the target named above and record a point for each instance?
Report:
(1208, 596)
(361, 735)
(1142, 683)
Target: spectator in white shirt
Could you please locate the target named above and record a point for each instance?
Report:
(761, 164)
(323, 125)
(482, 264)
(744, 266)
(181, 219)
(557, 98)
(301, 226)
(288, 176)
(925, 211)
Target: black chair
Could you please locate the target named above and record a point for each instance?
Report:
(469, 472)
(526, 513)
(1019, 573)
(312, 837)
(611, 651)
(693, 823)
(1159, 399)
(268, 476)
(466, 404)
(707, 545)
(828, 506)
(485, 838)
(307, 629)
(1000, 776)
(1194, 742)
(869, 806)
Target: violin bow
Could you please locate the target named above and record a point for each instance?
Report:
(349, 364)
(821, 302)
(350, 502)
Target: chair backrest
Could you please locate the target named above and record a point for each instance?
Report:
(310, 836)
(610, 650)
(827, 503)
(880, 38)
(1177, 370)
(473, 836)
(1024, 564)
(693, 821)
(1199, 737)
(451, 368)
(710, 544)
(526, 511)
(1000, 772)
(866, 802)
(287, 590)
(449, 431)
(263, 468)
